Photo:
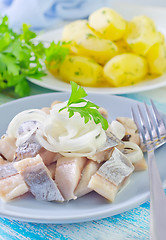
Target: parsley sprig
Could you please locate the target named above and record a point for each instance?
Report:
(88, 111)
(20, 58)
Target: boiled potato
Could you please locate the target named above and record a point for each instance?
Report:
(52, 67)
(86, 43)
(141, 34)
(156, 58)
(100, 50)
(123, 47)
(161, 38)
(125, 69)
(81, 70)
(108, 23)
(74, 31)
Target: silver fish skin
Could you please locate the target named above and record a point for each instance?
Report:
(41, 185)
(30, 148)
(7, 170)
(117, 168)
(38, 178)
(105, 152)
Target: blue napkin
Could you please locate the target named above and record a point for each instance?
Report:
(46, 13)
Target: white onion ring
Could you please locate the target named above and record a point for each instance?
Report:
(20, 118)
(136, 155)
(117, 129)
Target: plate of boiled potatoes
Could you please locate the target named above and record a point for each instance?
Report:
(109, 52)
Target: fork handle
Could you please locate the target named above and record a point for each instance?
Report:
(158, 201)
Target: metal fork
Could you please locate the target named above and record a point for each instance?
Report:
(153, 134)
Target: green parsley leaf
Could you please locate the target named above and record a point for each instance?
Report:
(5, 40)
(57, 53)
(77, 93)
(88, 111)
(22, 88)
(27, 35)
(10, 64)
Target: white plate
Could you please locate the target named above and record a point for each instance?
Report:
(91, 206)
(128, 12)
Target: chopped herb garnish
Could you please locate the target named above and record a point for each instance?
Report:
(88, 111)
(77, 73)
(90, 35)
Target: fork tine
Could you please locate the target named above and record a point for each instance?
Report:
(144, 124)
(142, 137)
(160, 124)
(136, 121)
(151, 124)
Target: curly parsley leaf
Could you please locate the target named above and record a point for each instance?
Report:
(88, 111)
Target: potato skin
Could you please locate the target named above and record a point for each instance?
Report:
(125, 69)
(108, 24)
(156, 58)
(81, 70)
(141, 35)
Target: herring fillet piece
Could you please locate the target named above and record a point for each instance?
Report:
(117, 168)
(105, 152)
(112, 175)
(38, 178)
(28, 149)
(2, 161)
(8, 147)
(49, 157)
(12, 187)
(7, 170)
(89, 170)
(31, 148)
(68, 174)
(51, 168)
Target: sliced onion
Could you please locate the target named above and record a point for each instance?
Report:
(45, 144)
(135, 154)
(27, 115)
(117, 129)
